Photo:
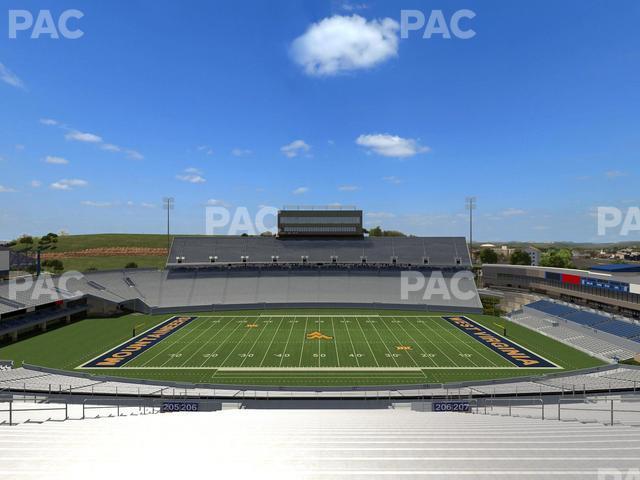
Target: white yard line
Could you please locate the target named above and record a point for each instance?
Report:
(335, 343)
(205, 343)
(286, 345)
(271, 342)
(381, 341)
(353, 348)
(221, 344)
(304, 339)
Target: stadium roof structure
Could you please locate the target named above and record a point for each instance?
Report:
(229, 250)
(617, 268)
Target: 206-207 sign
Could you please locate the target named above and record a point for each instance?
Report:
(451, 407)
(179, 407)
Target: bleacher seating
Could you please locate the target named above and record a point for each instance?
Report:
(302, 444)
(602, 322)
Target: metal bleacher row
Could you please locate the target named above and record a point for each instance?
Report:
(32, 380)
(299, 444)
(582, 338)
(168, 289)
(439, 251)
(591, 319)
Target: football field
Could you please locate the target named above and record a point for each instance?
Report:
(264, 342)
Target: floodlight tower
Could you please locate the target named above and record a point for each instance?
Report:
(168, 204)
(470, 203)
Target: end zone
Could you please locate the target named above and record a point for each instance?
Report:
(127, 351)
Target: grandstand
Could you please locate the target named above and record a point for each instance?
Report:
(595, 333)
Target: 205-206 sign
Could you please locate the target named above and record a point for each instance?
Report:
(179, 407)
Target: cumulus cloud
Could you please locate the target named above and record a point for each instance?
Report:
(69, 184)
(83, 137)
(391, 145)
(295, 148)
(191, 175)
(300, 191)
(35, 183)
(4, 189)
(341, 44)
(205, 148)
(134, 155)
(513, 212)
(348, 188)
(110, 147)
(392, 179)
(48, 121)
(56, 160)
(10, 78)
(91, 203)
(240, 152)
(615, 174)
(214, 202)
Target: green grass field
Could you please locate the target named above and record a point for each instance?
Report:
(274, 348)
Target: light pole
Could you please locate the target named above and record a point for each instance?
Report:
(167, 204)
(471, 206)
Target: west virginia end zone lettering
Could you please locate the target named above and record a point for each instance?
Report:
(134, 347)
(502, 346)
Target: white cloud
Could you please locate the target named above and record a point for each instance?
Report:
(339, 44)
(192, 175)
(240, 152)
(90, 203)
(615, 174)
(295, 148)
(512, 212)
(10, 78)
(147, 205)
(35, 183)
(352, 7)
(110, 147)
(392, 179)
(348, 188)
(48, 121)
(214, 202)
(56, 160)
(83, 137)
(134, 155)
(4, 189)
(69, 184)
(205, 148)
(300, 191)
(391, 145)
(379, 215)
(19, 147)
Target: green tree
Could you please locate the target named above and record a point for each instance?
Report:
(561, 258)
(54, 265)
(131, 265)
(375, 232)
(520, 257)
(488, 255)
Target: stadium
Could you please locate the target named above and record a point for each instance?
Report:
(450, 288)
(307, 320)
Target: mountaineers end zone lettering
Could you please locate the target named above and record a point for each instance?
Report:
(132, 348)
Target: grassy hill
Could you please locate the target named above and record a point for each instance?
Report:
(101, 251)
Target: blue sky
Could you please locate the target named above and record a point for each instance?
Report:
(265, 103)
